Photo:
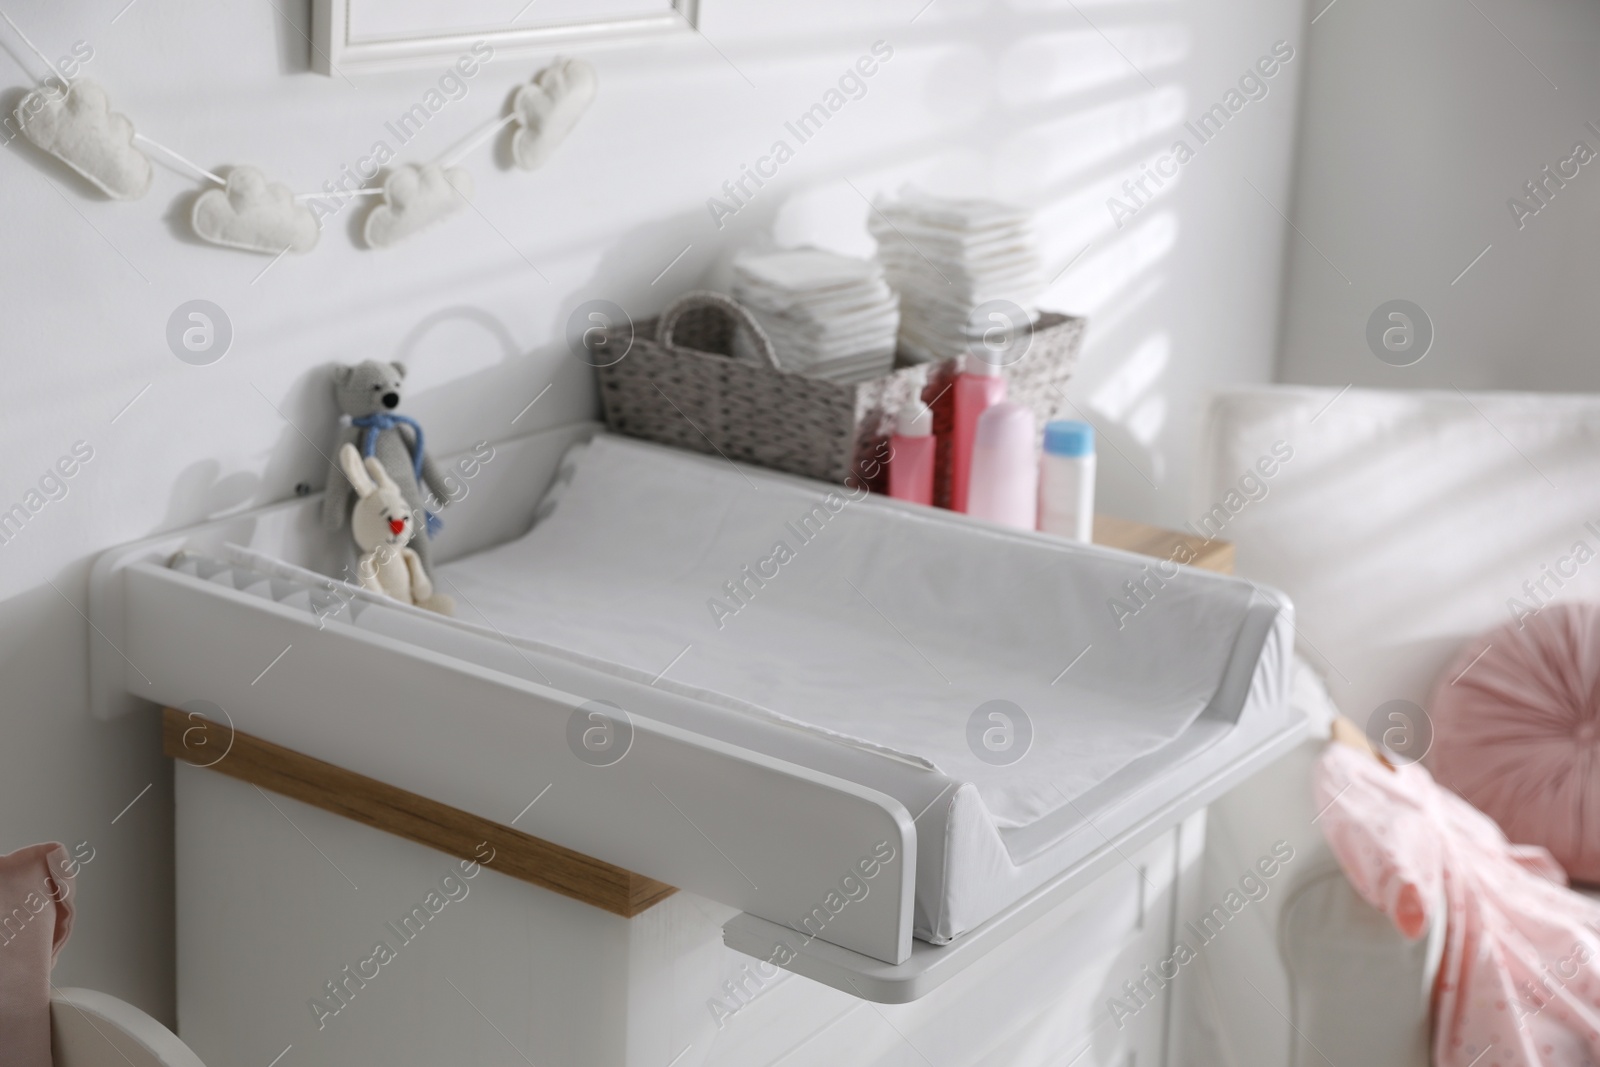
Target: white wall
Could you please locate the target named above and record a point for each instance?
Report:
(1421, 121)
(1024, 99)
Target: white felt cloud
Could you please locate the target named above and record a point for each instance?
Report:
(415, 197)
(255, 215)
(548, 109)
(79, 128)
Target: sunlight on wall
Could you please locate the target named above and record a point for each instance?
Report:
(1134, 377)
(1116, 264)
(1066, 166)
(1126, 309)
(1052, 152)
(1049, 67)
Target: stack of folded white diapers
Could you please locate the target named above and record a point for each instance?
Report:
(947, 257)
(828, 316)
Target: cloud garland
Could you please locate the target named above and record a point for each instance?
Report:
(254, 214)
(549, 108)
(414, 198)
(250, 212)
(79, 128)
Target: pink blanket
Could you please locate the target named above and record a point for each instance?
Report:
(1520, 980)
(35, 919)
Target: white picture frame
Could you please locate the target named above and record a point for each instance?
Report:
(339, 45)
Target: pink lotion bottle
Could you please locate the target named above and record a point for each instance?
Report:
(911, 454)
(1005, 467)
(978, 388)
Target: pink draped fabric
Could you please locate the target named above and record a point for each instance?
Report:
(35, 919)
(1519, 983)
(1517, 727)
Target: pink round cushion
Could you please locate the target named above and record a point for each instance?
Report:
(1517, 732)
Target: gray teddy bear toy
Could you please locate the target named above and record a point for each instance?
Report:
(368, 393)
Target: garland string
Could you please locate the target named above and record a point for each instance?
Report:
(191, 164)
(42, 57)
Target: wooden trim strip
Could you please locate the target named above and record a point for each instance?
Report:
(1131, 536)
(196, 740)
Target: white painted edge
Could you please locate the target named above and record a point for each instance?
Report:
(109, 694)
(334, 53)
(930, 966)
(93, 1029)
(188, 640)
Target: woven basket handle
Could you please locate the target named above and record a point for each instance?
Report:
(701, 299)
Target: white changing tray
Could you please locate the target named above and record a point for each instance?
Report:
(717, 795)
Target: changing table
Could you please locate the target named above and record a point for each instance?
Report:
(375, 755)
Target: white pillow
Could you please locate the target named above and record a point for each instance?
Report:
(1402, 523)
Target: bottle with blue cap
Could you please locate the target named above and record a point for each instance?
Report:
(1066, 480)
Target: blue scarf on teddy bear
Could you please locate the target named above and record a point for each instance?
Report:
(376, 423)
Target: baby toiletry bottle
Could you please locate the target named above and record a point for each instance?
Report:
(1005, 470)
(911, 454)
(1066, 480)
(978, 387)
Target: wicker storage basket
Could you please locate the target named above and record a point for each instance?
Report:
(678, 384)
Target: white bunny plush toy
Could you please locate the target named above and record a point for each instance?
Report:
(383, 525)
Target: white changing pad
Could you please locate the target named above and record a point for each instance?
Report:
(877, 624)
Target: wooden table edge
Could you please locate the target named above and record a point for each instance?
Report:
(198, 741)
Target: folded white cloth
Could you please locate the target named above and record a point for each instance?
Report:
(948, 256)
(827, 315)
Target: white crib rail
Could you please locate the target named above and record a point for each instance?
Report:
(93, 1029)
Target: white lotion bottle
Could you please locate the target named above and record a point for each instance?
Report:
(1066, 480)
